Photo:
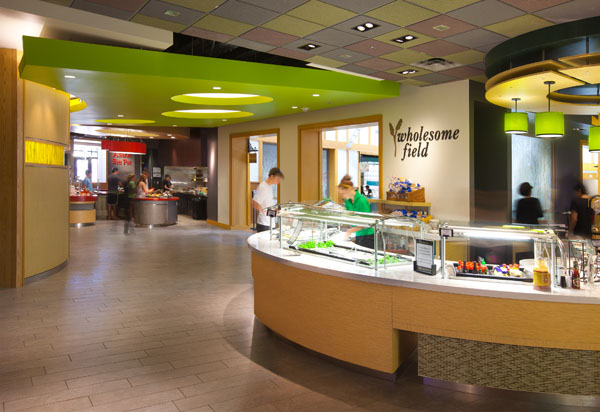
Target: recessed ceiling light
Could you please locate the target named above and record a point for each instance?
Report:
(309, 46)
(316, 95)
(404, 39)
(172, 137)
(119, 115)
(174, 125)
(216, 88)
(221, 99)
(224, 120)
(151, 137)
(441, 27)
(68, 76)
(408, 71)
(294, 107)
(206, 114)
(172, 13)
(365, 26)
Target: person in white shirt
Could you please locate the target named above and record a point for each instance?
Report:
(264, 198)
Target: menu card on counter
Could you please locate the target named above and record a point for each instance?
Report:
(425, 254)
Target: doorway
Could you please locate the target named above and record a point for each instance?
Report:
(251, 156)
(329, 151)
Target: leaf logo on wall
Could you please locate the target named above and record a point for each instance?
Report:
(394, 133)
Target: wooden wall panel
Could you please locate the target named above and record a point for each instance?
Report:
(46, 218)
(46, 114)
(342, 318)
(498, 320)
(11, 165)
(239, 183)
(309, 165)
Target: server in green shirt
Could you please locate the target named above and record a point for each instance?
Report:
(356, 202)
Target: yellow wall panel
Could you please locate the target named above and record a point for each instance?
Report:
(46, 218)
(44, 153)
(46, 114)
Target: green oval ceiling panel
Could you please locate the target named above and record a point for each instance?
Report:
(221, 99)
(125, 121)
(207, 114)
(114, 80)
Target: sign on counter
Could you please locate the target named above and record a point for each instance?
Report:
(425, 255)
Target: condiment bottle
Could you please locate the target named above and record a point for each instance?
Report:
(541, 276)
(575, 279)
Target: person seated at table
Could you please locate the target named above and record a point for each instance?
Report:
(87, 182)
(142, 187)
(356, 202)
(167, 183)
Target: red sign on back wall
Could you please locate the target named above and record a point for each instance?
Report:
(121, 159)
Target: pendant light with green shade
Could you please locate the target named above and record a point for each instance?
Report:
(515, 122)
(549, 124)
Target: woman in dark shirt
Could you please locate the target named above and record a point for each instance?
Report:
(528, 208)
(582, 215)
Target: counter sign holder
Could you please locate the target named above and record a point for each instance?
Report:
(425, 254)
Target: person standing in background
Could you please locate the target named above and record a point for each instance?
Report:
(529, 209)
(580, 223)
(264, 198)
(87, 182)
(113, 183)
(130, 192)
(356, 202)
(167, 183)
(142, 188)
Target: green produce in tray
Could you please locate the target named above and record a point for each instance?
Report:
(326, 244)
(387, 259)
(311, 244)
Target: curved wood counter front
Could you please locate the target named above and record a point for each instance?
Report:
(372, 319)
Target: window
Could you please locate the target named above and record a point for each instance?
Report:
(374, 135)
(364, 135)
(342, 135)
(330, 135)
(88, 155)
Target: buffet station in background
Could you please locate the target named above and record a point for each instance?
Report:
(82, 210)
(157, 209)
(189, 184)
(517, 302)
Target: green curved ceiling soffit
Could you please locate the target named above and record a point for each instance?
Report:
(139, 84)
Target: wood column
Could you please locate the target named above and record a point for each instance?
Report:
(11, 171)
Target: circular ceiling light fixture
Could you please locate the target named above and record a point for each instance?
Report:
(221, 99)
(207, 114)
(125, 121)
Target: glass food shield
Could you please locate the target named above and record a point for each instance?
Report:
(502, 253)
(328, 231)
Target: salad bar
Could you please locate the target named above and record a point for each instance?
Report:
(155, 211)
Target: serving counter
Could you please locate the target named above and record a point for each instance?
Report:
(82, 210)
(155, 211)
(502, 334)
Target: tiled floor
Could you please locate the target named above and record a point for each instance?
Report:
(162, 320)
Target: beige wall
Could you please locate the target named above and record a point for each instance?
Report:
(46, 188)
(444, 173)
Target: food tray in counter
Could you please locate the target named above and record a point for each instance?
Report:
(360, 256)
(490, 277)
